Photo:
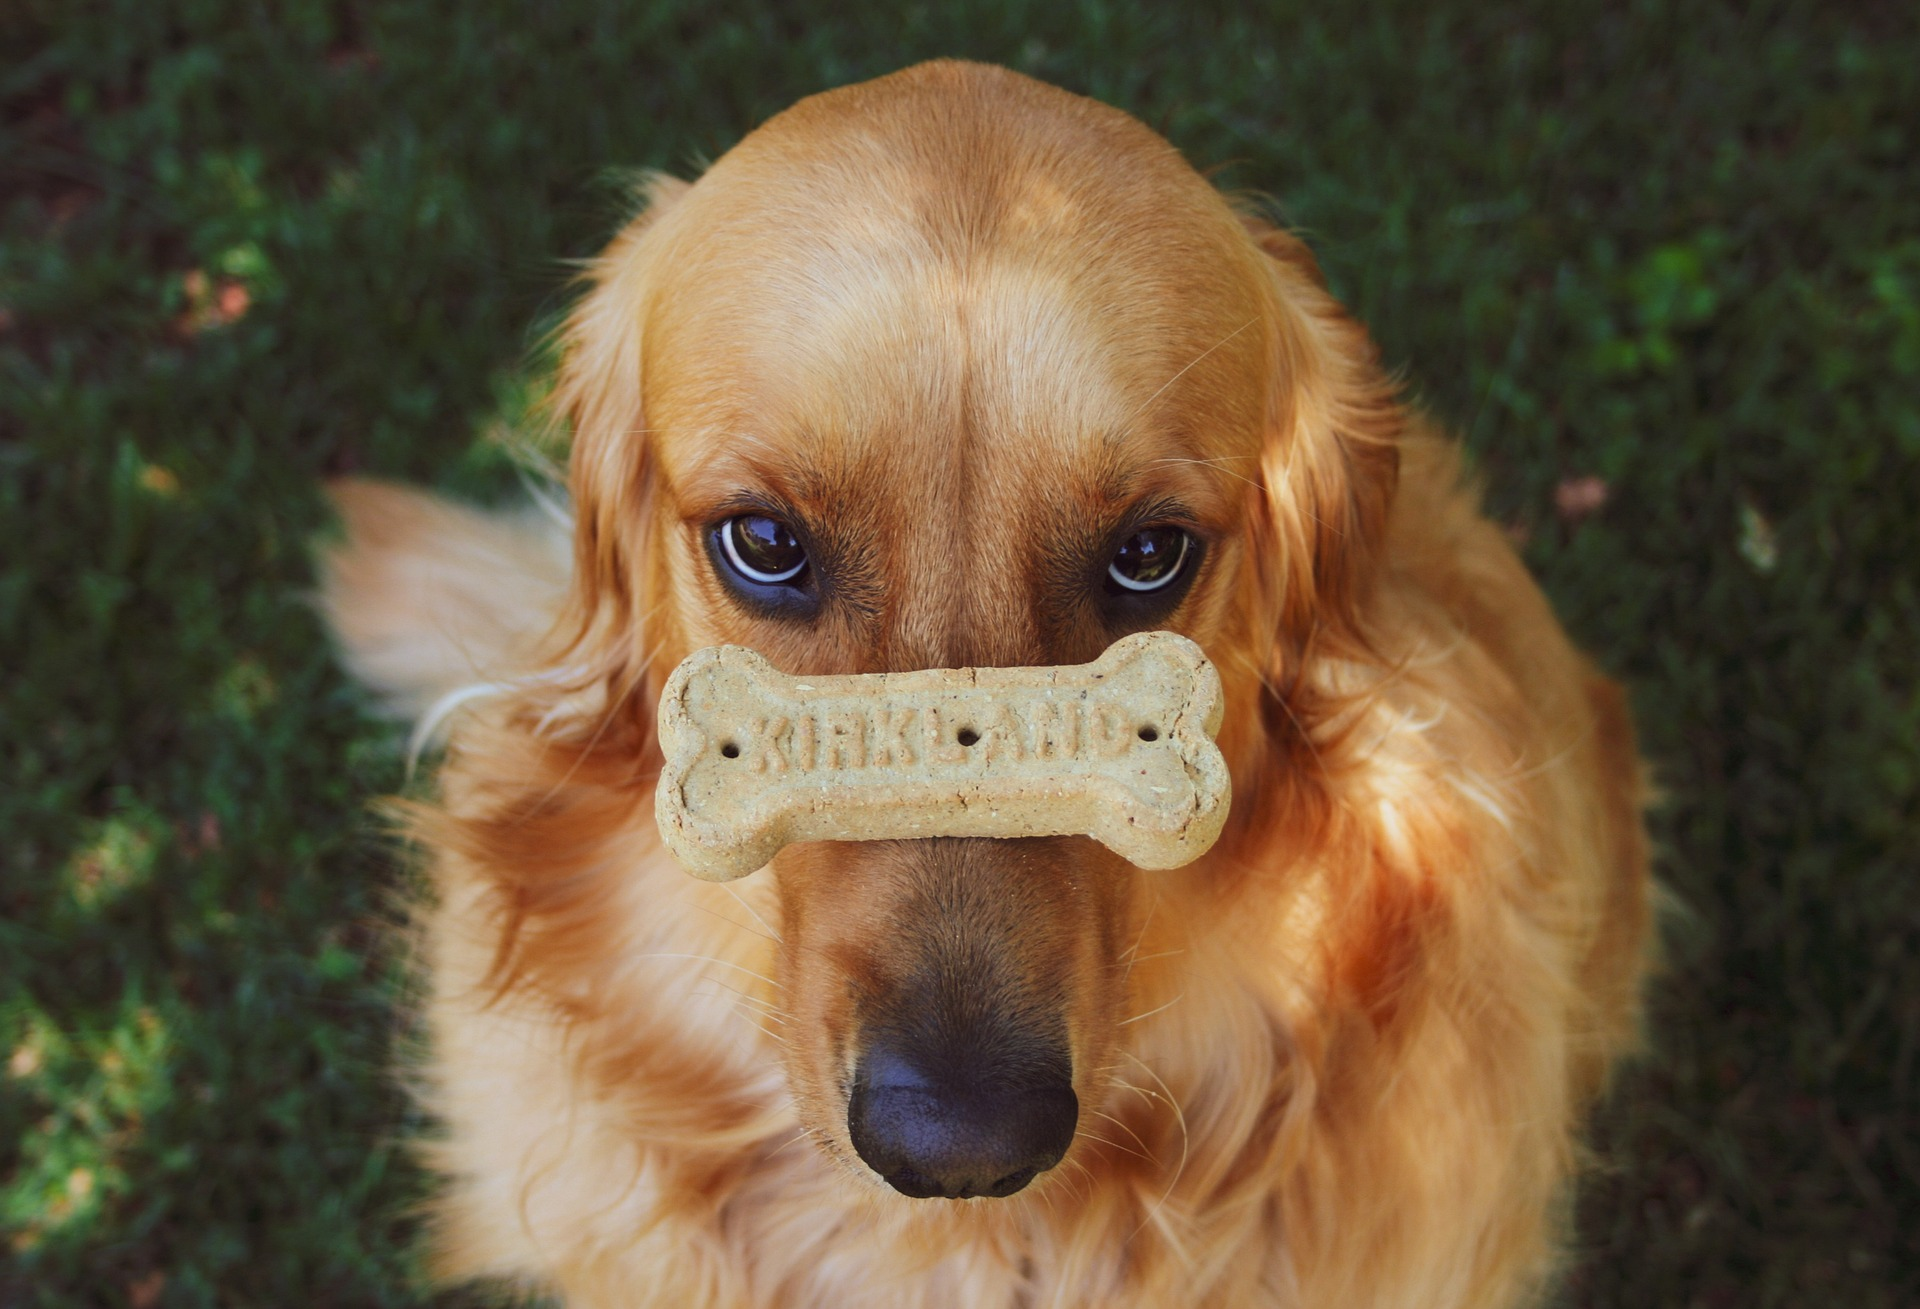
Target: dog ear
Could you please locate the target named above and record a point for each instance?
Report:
(598, 395)
(1328, 464)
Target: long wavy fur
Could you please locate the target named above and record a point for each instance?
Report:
(1360, 1035)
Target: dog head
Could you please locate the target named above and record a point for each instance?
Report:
(948, 369)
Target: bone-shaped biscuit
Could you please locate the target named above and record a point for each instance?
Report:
(1120, 749)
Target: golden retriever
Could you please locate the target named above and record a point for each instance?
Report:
(954, 368)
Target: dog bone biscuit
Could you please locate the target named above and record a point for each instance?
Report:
(1120, 749)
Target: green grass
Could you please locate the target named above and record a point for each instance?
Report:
(1676, 248)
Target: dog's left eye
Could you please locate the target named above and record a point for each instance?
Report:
(1152, 559)
(762, 550)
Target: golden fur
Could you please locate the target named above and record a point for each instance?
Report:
(961, 321)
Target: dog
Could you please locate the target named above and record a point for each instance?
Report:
(948, 369)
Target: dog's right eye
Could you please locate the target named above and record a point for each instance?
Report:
(761, 550)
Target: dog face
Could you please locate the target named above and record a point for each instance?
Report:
(901, 386)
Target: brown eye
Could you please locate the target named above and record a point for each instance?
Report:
(1149, 560)
(761, 550)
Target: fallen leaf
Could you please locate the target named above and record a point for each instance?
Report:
(1579, 497)
(160, 481)
(202, 838)
(1758, 545)
(210, 303)
(232, 301)
(144, 1292)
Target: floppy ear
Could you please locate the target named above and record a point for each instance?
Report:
(598, 394)
(556, 776)
(1328, 465)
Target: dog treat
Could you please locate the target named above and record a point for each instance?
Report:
(1120, 749)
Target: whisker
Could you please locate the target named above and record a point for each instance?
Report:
(1114, 1145)
(771, 934)
(1044, 1195)
(1083, 1171)
(1210, 463)
(607, 713)
(1123, 1127)
(736, 923)
(802, 1134)
(706, 959)
(767, 1032)
(1151, 1012)
(1133, 949)
(1180, 1120)
(761, 1007)
(755, 1011)
(1202, 355)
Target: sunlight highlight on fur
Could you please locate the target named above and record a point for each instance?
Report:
(1340, 1060)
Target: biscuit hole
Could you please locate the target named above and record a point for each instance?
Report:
(1149, 733)
(968, 736)
(730, 750)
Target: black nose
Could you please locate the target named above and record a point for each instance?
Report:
(967, 1133)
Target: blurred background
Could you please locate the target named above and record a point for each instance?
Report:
(1658, 264)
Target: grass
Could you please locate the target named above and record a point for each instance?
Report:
(1671, 247)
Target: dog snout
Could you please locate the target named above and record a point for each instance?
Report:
(979, 1128)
